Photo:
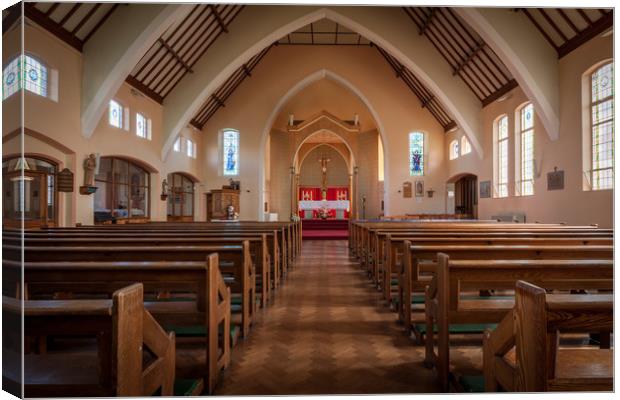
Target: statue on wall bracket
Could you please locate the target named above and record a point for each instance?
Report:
(90, 166)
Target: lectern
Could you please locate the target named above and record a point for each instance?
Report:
(218, 200)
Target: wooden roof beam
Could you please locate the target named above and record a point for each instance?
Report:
(175, 55)
(540, 28)
(461, 64)
(427, 21)
(69, 14)
(568, 21)
(551, 22)
(218, 17)
(100, 23)
(427, 101)
(500, 92)
(144, 89)
(598, 27)
(246, 70)
(218, 100)
(15, 11)
(52, 9)
(86, 18)
(39, 17)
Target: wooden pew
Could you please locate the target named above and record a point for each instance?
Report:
(392, 264)
(382, 247)
(537, 363)
(123, 328)
(175, 236)
(282, 254)
(258, 248)
(202, 300)
(234, 260)
(446, 307)
(420, 263)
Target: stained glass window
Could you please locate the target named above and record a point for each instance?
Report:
(416, 154)
(454, 149)
(190, 148)
(230, 153)
(32, 74)
(502, 157)
(177, 144)
(116, 114)
(602, 110)
(465, 146)
(526, 184)
(142, 126)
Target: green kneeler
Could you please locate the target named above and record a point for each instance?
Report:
(415, 299)
(458, 328)
(184, 387)
(472, 383)
(197, 330)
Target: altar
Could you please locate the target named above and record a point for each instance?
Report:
(331, 209)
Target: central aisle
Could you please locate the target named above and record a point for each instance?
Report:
(326, 332)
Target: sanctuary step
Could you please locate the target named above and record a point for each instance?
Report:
(328, 229)
(325, 224)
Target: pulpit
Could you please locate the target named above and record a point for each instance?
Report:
(218, 200)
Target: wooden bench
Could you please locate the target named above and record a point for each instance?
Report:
(447, 307)
(234, 261)
(258, 249)
(176, 236)
(420, 264)
(388, 246)
(123, 329)
(200, 307)
(522, 353)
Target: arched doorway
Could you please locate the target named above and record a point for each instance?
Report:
(123, 191)
(465, 194)
(36, 176)
(181, 202)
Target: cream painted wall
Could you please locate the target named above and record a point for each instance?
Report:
(399, 111)
(571, 205)
(60, 122)
(310, 173)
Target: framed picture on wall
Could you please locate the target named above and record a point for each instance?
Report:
(407, 190)
(485, 189)
(419, 188)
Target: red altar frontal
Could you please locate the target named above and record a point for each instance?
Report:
(332, 204)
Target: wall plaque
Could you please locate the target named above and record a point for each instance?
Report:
(407, 190)
(555, 180)
(64, 181)
(485, 189)
(419, 188)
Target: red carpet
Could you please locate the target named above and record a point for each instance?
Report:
(331, 229)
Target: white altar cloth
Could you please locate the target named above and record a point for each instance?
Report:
(318, 204)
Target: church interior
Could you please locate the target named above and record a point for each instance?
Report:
(294, 199)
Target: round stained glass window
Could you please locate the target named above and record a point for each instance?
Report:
(33, 74)
(10, 78)
(604, 81)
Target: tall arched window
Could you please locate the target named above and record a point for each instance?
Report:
(230, 152)
(602, 127)
(465, 145)
(416, 154)
(181, 198)
(39, 205)
(500, 170)
(123, 190)
(525, 162)
(27, 72)
(454, 149)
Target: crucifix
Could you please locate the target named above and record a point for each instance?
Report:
(324, 160)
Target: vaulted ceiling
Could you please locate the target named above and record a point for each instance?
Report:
(177, 50)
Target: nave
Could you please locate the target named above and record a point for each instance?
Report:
(327, 332)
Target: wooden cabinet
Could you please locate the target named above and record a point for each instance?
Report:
(218, 200)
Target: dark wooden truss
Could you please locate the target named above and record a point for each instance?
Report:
(426, 97)
(568, 28)
(220, 96)
(465, 51)
(176, 52)
(73, 23)
(324, 33)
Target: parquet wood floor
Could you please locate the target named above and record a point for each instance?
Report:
(327, 332)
